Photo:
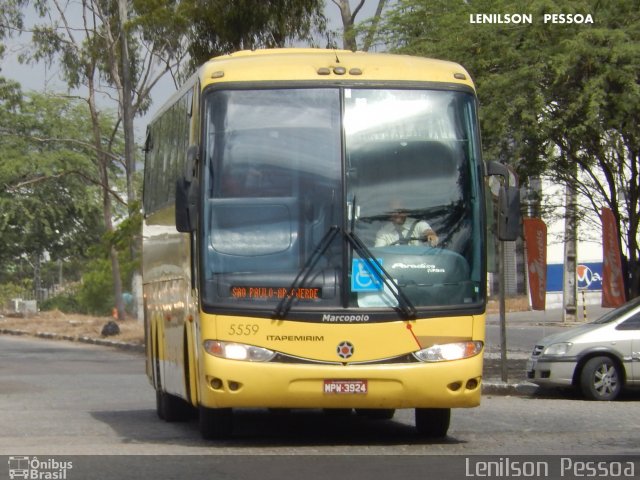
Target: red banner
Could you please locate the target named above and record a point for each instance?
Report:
(535, 239)
(612, 282)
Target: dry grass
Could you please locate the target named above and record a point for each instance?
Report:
(73, 325)
(512, 304)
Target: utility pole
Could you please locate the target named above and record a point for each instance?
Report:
(504, 367)
(570, 290)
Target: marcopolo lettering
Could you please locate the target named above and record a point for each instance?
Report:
(327, 317)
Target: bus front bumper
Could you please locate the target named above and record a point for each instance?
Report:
(231, 384)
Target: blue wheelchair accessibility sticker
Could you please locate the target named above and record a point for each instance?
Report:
(365, 277)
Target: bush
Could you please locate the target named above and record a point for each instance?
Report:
(8, 291)
(95, 295)
(67, 303)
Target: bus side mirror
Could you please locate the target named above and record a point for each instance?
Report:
(187, 194)
(508, 221)
(509, 214)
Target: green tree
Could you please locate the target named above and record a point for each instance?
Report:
(84, 54)
(49, 203)
(131, 44)
(10, 20)
(592, 117)
(553, 96)
(351, 31)
(223, 26)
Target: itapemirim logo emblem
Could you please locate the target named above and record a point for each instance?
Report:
(37, 469)
(345, 349)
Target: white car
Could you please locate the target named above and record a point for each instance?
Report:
(600, 358)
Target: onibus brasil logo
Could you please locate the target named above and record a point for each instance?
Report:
(38, 469)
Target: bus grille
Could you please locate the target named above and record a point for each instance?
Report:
(402, 359)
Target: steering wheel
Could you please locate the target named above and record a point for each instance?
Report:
(406, 241)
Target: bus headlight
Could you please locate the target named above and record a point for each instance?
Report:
(449, 351)
(238, 351)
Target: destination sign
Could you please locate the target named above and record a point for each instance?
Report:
(275, 293)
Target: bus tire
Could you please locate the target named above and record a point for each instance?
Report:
(433, 422)
(215, 423)
(173, 409)
(158, 384)
(159, 406)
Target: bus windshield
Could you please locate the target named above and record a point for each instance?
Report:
(341, 198)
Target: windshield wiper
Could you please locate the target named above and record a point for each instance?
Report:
(404, 304)
(284, 305)
(406, 307)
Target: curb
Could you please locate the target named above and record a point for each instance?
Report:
(497, 387)
(132, 347)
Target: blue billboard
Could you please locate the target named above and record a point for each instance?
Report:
(589, 276)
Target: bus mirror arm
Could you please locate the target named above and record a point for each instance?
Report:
(495, 168)
(185, 206)
(191, 163)
(187, 194)
(508, 221)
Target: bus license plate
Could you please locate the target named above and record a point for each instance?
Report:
(345, 386)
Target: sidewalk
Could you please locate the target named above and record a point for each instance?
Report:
(551, 316)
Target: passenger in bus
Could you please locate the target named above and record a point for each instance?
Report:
(404, 230)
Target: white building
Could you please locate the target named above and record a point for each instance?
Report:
(588, 248)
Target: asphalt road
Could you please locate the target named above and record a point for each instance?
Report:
(74, 399)
(91, 409)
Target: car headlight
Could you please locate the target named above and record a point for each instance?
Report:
(238, 351)
(449, 351)
(557, 348)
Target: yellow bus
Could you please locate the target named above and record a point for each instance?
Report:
(315, 237)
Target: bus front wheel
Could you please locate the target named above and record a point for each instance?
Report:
(215, 423)
(433, 422)
(171, 408)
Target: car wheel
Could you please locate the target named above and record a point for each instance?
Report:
(433, 422)
(600, 379)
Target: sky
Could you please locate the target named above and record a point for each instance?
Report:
(47, 78)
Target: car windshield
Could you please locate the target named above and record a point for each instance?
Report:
(313, 196)
(617, 313)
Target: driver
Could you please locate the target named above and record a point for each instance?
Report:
(404, 230)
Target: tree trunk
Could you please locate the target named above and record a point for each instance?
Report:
(348, 20)
(374, 26)
(127, 109)
(103, 164)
